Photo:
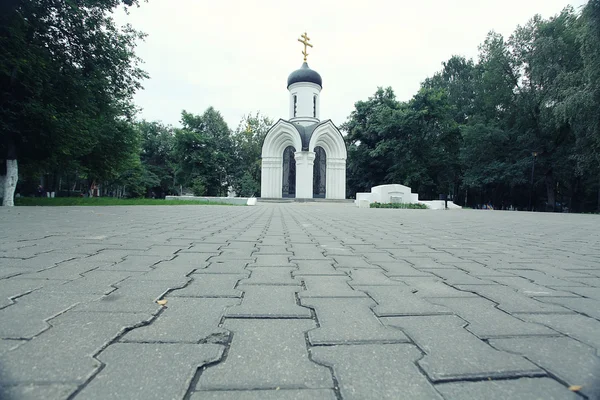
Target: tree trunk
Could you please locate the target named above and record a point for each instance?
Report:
(12, 173)
(10, 182)
(550, 191)
(598, 208)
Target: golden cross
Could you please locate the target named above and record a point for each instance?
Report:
(305, 39)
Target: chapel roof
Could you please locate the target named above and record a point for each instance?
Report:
(304, 74)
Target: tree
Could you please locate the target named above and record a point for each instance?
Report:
(204, 150)
(67, 77)
(248, 140)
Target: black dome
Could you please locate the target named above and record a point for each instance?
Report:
(305, 74)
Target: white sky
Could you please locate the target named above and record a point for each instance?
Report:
(235, 55)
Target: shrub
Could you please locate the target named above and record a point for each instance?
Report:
(399, 205)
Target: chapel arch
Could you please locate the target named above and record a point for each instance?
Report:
(320, 173)
(288, 185)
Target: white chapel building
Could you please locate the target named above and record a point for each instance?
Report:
(304, 157)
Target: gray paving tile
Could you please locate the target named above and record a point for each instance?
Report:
(50, 391)
(315, 267)
(376, 371)
(268, 394)
(511, 301)
(212, 285)
(190, 320)
(571, 361)
(266, 354)
(270, 276)
(458, 354)
(523, 388)
(400, 301)
(149, 371)
(486, 321)
(27, 317)
(348, 321)
(269, 302)
(63, 354)
(328, 286)
(576, 326)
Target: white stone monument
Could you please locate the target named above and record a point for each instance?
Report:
(304, 157)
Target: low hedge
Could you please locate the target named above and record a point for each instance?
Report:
(414, 206)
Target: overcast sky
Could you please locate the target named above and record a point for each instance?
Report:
(236, 55)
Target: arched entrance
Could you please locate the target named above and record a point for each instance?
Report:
(319, 173)
(289, 173)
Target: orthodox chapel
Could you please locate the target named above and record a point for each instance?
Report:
(304, 157)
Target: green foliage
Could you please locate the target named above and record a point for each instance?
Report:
(106, 201)
(412, 206)
(474, 127)
(198, 186)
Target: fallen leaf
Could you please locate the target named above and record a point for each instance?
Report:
(162, 302)
(575, 388)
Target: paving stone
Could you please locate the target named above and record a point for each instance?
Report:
(93, 282)
(190, 320)
(213, 248)
(371, 277)
(8, 345)
(376, 371)
(590, 292)
(262, 250)
(7, 272)
(400, 301)
(17, 286)
(528, 288)
(266, 354)
(458, 354)
(229, 258)
(192, 260)
(269, 394)
(543, 279)
(269, 302)
(486, 321)
(419, 262)
(315, 267)
(133, 263)
(227, 267)
(576, 326)
(511, 301)
(67, 270)
(63, 354)
(328, 286)
(26, 318)
(433, 287)
(272, 261)
(270, 276)
(348, 321)
(589, 307)
(513, 389)
(273, 241)
(134, 296)
(149, 371)
(456, 276)
(401, 268)
(569, 360)
(49, 391)
(353, 262)
(211, 285)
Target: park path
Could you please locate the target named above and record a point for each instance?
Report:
(297, 301)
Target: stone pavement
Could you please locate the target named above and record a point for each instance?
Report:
(298, 301)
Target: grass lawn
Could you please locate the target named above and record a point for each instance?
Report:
(106, 201)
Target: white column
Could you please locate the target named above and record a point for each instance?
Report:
(304, 174)
(271, 177)
(335, 185)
